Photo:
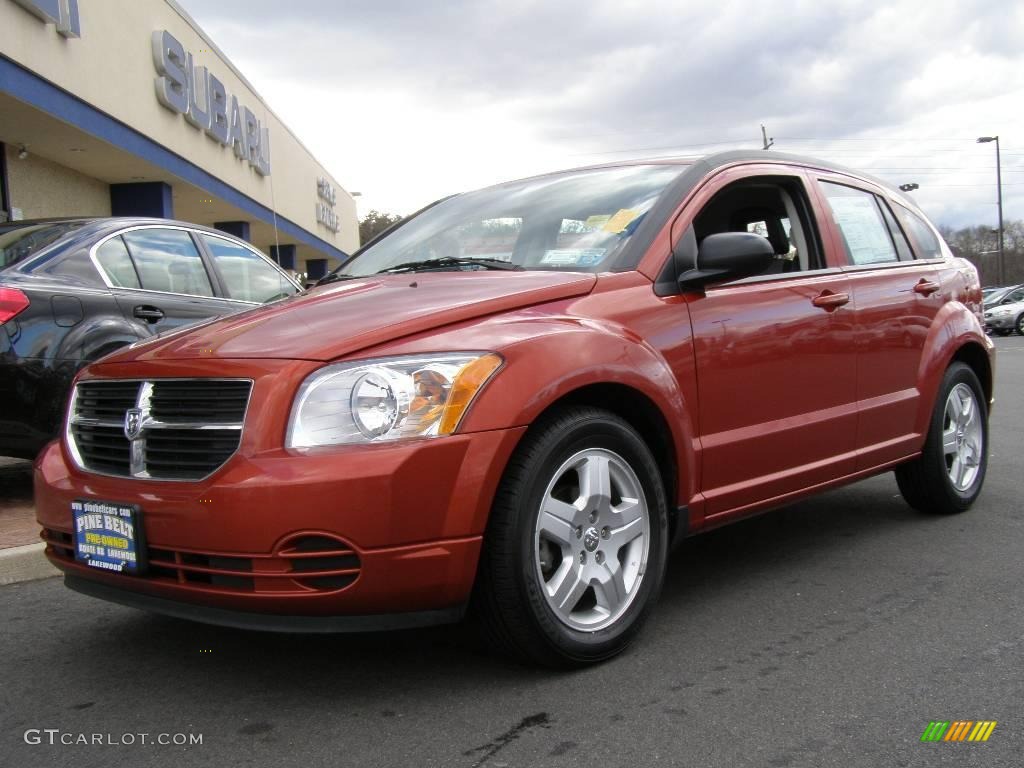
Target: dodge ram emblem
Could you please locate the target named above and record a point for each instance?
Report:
(132, 423)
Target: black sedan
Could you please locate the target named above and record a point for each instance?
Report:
(74, 290)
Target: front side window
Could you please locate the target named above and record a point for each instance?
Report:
(167, 260)
(860, 221)
(768, 206)
(246, 275)
(578, 221)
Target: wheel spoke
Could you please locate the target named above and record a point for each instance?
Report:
(566, 587)
(611, 589)
(621, 536)
(558, 520)
(959, 470)
(596, 483)
(949, 444)
(628, 511)
(967, 412)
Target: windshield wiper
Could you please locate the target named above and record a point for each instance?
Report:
(451, 261)
(335, 277)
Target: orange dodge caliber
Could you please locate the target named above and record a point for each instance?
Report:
(520, 398)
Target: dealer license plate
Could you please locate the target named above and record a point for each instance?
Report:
(108, 535)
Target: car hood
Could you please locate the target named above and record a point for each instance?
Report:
(340, 318)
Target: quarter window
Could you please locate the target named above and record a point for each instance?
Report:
(928, 246)
(865, 233)
(167, 260)
(247, 276)
(117, 263)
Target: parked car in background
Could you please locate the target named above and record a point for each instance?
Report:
(521, 397)
(1005, 313)
(73, 290)
(996, 295)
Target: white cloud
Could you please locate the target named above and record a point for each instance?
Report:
(406, 101)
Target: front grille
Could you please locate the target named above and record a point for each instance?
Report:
(164, 429)
(301, 564)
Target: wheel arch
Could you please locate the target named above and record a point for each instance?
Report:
(642, 413)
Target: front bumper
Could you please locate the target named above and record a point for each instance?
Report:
(1001, 322)
(354, 532)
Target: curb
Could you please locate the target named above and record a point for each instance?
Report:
(25, 563)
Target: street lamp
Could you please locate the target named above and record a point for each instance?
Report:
(909, 187)
(999, 192)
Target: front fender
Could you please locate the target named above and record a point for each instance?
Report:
(557, 356)
(954, 327)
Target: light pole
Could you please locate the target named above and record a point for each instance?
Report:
(999, 192)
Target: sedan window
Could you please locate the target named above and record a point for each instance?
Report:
(167, 260)
(114, 260)
(19, 241)
(247, 276)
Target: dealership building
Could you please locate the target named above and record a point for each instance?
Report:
(129, 109)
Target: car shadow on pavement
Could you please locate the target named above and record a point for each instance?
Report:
(373, 667)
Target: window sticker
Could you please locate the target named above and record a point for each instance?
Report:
(597, 220)
(573, 257)
(620, 220)
(862, 226)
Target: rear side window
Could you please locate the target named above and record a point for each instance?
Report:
(247, 275)
(114, 260)
(925, 241)
(860, 220)
(167, 260)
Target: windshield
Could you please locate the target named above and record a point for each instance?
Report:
(578, 221)
(18, 242)
(996, 296)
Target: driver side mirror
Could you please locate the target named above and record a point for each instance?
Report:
(728, 256)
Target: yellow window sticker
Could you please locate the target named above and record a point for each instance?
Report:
(620, 220)
(597, 220)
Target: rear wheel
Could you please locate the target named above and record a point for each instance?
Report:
(948, 475)
(575, 550)
(1020, 324)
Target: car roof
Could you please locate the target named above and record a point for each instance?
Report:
(102, 224)
(702, 165)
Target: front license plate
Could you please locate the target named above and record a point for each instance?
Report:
(108, 535)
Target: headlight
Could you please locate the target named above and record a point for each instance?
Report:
(387, 399)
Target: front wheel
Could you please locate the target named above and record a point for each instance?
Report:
(1020, 324)
(948, 475)
(574, 555)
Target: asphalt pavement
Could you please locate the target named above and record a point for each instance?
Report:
(828, 633)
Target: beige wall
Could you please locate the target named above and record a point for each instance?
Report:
(43, 189)
(111, 68)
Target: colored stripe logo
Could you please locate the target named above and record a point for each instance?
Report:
(958, 730)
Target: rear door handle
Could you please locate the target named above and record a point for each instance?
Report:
(149, 313)
(830, 301)
(926, 287)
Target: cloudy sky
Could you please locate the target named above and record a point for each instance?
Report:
(407, 101)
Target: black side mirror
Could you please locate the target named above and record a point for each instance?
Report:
(729, 256)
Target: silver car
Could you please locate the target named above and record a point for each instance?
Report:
(1007, 315)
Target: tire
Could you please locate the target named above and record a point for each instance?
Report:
(928, 482)
(529, 552)
(1019, 325)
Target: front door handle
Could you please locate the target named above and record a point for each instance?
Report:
(149, 313)
(830, 301)
(926, 287)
